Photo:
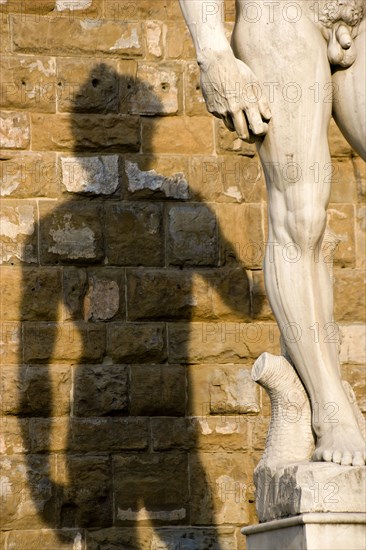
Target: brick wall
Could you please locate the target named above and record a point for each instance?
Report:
(132, 296)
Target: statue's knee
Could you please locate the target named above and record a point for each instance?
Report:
(306, 226)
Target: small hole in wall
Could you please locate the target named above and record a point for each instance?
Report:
(164, 86)
(95, 82)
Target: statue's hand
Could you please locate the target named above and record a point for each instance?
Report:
(233, 93)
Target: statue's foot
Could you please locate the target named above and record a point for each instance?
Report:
(341, 444)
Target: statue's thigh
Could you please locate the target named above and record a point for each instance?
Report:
(349, 107)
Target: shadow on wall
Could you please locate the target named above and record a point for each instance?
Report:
(93, 464)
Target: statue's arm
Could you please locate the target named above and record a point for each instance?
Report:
(228, 85)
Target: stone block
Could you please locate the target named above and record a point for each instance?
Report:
(221, 342)
(192, 236)
(84, 36)
(157, 90)
(18, 234)
(344, 183)
(360, 175)
(86, 497)
(260, 309)
(28, 175)
(108, 434)
(195, 538)
(11, 344)
(218, 490)
(119, 537)
(85, 132)
(29, 294)
(353, 343)
(222, 390)
(214, 434)
(341, 220)
(100, 390)
(63, 342)
(49, 435)
(134, 234)
(339, 147)
(14, 130)
(65, 539)
(183, 135)
(154, 39)
(241, 234)
(229, 142)
(308, 487)
(137, 342)
(35, 7)
(28, 83)
(166, 178)
(187, 294)
(92, 175)
(158, 390)
(151, 487)
(74, 285)
(28, 494)
(36, 390)
(355, 375)
(349, 295)
(194, 103)
(5, 43)
(178, 41)
(14, 436)
(226, 179)
(88, 85)
(71, 233)
(105, 295)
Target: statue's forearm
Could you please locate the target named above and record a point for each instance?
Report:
(205, 22)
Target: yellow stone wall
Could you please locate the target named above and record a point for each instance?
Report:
(132, 297)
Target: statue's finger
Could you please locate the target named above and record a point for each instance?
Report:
(264, 108)
(255, 122)
(240, 124)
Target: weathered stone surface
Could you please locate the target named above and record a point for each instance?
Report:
(100, 390)
(84, 132)
(158, 90)
(73, 291)
(341, 221)
(14, 130)
(116, 538)
(11, 343)
(63, 342)
(18, 234)
(309, 487)
(260, 308)
(344, 183)
(5, 42)
(353, 344)
(71, 233)
(226, 179)
(225, 342)
(28, 83)
(360, 175)
(65, 539)
(158, 390)
(14, 435)
(222, 390)
(137, 342)
(28, 495)
(229, 433)
(218, 491)
(28, 174)
(36, 391)
(361, 236)
(154, 32)
(90, 175)
(49, 435)
(349, 295)
(222, 538)
(339, 147)
(134, 234)
(151, 486)
(183, 135)
(192, 236)
(102, 299)
(83, 36)
(29, 294)
(148, 183)
(246, 246)
(178, 41)
(187, 294)
(228, 142)
(86, 499)
(355, 375)
(88, 85)
(194, 103)
(108, 434)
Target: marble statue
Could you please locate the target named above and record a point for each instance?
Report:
(290, 67)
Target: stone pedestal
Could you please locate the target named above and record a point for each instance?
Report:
(313, 531)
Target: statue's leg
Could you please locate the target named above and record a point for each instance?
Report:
(291, 61)
(349, 106)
